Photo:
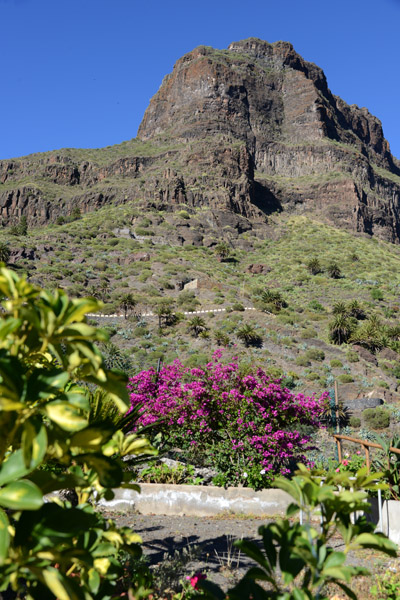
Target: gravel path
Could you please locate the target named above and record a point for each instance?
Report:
(202, 543)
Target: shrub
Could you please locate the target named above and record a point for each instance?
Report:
(183, 214)
(335, 363)
(238, 306)
(315, 354)
(316, 306)
(302, 361)
(308, 333)
(376, 294)
(352, 356)
(50, 548)
(235, 423)
(377, 418)
(355, 422)
(345, 378)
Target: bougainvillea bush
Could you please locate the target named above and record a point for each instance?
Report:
(247, 427)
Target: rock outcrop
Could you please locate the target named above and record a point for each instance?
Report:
(245, 131)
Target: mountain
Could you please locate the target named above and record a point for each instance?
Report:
(240, 133)
(245, 146)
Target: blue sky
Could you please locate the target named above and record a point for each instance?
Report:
(80, 73)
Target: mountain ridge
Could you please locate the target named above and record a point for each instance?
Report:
(249, 130)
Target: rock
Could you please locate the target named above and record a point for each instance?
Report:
(140, 257)
(363, 403)
(258, 269)
(366, 355)
(389, 354)
(16, 255)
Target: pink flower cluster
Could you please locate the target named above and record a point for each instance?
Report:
(253, 414)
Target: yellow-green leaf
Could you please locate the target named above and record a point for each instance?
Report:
(21, 495)
(4, 536)
(66, 416)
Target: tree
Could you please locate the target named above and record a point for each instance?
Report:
(273, 299)
(196, 325)
(341, 328)
(222, 250)
(127, 303)
(249, 335)
(221, 338)
(314, 266)
(334, 270)
(164, 311)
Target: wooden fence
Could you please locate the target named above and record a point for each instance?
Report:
(364, 443)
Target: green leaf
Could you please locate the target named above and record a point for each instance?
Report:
(50, 482)
(252, 550)
(108, 470)
(13, 468)
(34, 443)
(21, 495)
(335, 559)
(377, 541)
(43, 384)
(91, 438)
(66, 416)
(4, 536)
(115, 383)
(62, 587)
(93, 581)
(292, 509)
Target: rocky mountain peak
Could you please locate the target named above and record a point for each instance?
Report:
(247, 130)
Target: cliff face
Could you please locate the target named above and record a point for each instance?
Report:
(247, 130)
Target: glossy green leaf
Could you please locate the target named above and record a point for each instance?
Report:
(34, 443)
(91, 438)
(115, 383)
(66, 416)
(93, 581)
(62, 587)
(4, 536)
(43, 384)
(13, 468)
(21, 495)
(109, 472)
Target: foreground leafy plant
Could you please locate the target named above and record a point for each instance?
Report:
(46, 348)
(297, 561)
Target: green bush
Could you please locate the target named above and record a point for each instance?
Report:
(302, 361)
(345, 378)
(315, 354)
(376, 418)
(51, 549)
(376, 294)
(308, 333)
(355, 422)
(352, 356)
(316, 306)
(335, 363)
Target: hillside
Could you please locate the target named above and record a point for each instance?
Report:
(245, 146)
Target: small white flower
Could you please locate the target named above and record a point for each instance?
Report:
(262, 472)
(245, 475)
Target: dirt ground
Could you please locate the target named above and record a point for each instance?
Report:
(178, 546)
